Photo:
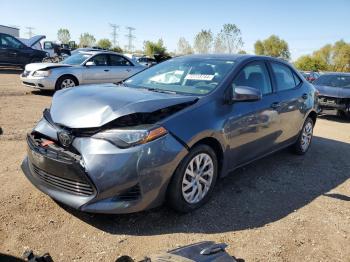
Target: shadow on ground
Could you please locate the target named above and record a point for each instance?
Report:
(261, 193)
(43, 92)
(335, 118)
(10, 70)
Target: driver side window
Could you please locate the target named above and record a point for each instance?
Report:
(10, 42)
(254, 75)
(99, 60)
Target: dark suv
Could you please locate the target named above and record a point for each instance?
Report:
(15, 53)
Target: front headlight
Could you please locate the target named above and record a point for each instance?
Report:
(42, 73)
(124, 138)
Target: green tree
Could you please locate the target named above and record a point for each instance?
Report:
(117, 49)
(86, 40)
(341, 56)
(242, 52)
(203, 42)
(151, 48)
(183, 47)
(310, 63)
(63, 35)
(104, 43)
(324, 54)
(229, 39)
(272, 46)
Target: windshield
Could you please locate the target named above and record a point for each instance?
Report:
(333, 80)
(76, 59)
(183, 75)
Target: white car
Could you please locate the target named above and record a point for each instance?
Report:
(80, 68)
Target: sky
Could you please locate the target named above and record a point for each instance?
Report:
(305, 25)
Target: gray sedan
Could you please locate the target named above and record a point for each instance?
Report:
(80, 68)
(168, 132)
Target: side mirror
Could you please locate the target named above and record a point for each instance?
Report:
(90, 63)
(245, 94)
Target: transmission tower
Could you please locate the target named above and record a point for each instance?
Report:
(30, 31)
(130, 38)
(114, 34)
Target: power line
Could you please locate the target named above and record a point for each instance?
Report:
(130, 38)
(30, 31)
(114, 34)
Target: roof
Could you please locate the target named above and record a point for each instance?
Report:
(240, 57)
(337, 73)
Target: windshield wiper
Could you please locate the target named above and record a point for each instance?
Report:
(161, 91)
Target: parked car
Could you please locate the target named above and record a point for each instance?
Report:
(334, 92)
(146, 61)
(78, 69)
(14, 52)
(310, 75)
(168, 132)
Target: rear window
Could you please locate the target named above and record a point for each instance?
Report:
(333, 80)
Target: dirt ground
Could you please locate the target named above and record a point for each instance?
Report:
(281, 208)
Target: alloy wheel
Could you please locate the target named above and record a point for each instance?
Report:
(306, 136)
(198, 178)
(66, 83)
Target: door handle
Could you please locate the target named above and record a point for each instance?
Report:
(106, 70)
(128, 70)
(275, 105)
(304, 96)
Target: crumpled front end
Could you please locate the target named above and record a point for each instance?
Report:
(94, 175)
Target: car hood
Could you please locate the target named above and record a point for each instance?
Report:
(333, 91)
(40, 66)
(92, 106)
(32, 41)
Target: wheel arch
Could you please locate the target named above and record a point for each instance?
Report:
(216, 146)
(313, 116)
(70, 75)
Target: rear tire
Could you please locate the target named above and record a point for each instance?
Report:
(303, 143)
(65, 82)
(194, 180)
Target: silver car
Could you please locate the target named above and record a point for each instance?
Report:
(80, 68)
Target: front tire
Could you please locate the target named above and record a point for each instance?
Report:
(65, 82)
(303, 143)
(194, 180)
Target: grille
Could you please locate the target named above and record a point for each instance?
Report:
(71, 186)
(28, 84)
(132, 194)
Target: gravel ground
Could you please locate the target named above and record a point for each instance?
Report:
(281, 208)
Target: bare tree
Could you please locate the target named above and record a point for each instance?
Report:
(183, 47)
(203, 42)
(229, 39)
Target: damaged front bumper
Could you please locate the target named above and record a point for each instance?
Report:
(96, 176)
(326, 102)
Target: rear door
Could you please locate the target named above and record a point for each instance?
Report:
(120, 67)
(99, 72)
(253, 128)
(293, 98)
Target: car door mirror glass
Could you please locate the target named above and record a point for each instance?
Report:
(90, 63)
(245, 94)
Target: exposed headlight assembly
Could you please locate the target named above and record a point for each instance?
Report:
(124, 138)
(42, 73)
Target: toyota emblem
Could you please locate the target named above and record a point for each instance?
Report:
(65, 138)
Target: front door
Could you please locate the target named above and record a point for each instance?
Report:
(121, 68)
(253, 128)
(99, 71)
